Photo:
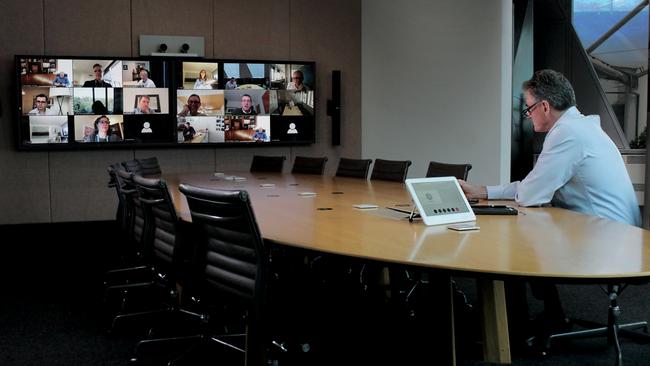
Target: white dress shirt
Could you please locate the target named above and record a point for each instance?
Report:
(145, 84)
(579, 169)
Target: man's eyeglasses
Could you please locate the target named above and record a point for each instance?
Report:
(526, 112)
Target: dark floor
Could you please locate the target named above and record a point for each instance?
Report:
(51, 313)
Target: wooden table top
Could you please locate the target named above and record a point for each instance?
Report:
(539, 242)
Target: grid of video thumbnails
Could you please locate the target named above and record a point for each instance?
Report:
(94, 101)
(80, 101)
(244, 102)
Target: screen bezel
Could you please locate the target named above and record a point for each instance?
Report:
(442, 219)
(21, 137)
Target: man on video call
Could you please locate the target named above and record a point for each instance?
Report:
(192, 107)
(41, 107)
(143, 106)
(296, 84)
(144, 81)
(579, 169)
(97, 82)
(246, 107)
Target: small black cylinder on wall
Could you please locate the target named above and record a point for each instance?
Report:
(334, 107)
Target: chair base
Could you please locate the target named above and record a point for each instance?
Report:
(612, 330)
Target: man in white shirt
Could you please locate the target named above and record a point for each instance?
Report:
(41, 107)
(144, 81)
(579, 169)
(296, 84)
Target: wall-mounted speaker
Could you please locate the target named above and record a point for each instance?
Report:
(334, 107)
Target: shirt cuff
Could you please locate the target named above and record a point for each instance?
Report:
(504, 192)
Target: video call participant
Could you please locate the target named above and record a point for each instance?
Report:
(143, 106)
(231, 84)
(246, 107)
(188, 132)
(260, 135)
(144, 81)
(102, 132)
(41, 107)
(192, 107)
(97, 82)
(61, 80)
(579, 169)
(296, 82)
(202, 81)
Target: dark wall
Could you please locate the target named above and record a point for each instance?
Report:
(71, 186)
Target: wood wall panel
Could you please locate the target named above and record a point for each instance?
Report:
(24, 180)
(79, 184)
(88, 27)
(330, 33)
(172, 18)
(256, 29)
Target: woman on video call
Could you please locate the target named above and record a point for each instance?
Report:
(202, 82)
(102, 132)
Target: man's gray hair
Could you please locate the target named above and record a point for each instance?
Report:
(553, 87)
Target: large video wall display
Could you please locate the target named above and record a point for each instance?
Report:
(82, 103)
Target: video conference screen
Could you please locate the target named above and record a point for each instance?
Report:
(73, 102)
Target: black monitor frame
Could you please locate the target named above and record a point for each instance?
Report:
(168, 80)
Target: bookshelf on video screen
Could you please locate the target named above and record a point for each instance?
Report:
(74, 102)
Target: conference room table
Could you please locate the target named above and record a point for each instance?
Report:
(317, 213)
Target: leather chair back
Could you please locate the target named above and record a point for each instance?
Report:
(308, 165)
(391, 170)
(353, 168)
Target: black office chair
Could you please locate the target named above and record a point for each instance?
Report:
(122, 214)
(390, 170)
(234, 266)
(308, 165)
(353, 168)
(160, 251)
(459, 171)
(146, 167)
(267, 164)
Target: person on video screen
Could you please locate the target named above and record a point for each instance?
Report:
(188, 132)
(231, 84)
(97, 82)
(202, 82)
(144, 81)
(246, 107)
(61, 80)
(260, 135)
(292, 129)
(99, 108)
(192, 107)
(41, 107)
(296, 84)
(143, 106)
(102, 132)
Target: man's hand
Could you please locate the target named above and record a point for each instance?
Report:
(472, 191)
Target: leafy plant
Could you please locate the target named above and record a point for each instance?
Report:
(640, 141)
